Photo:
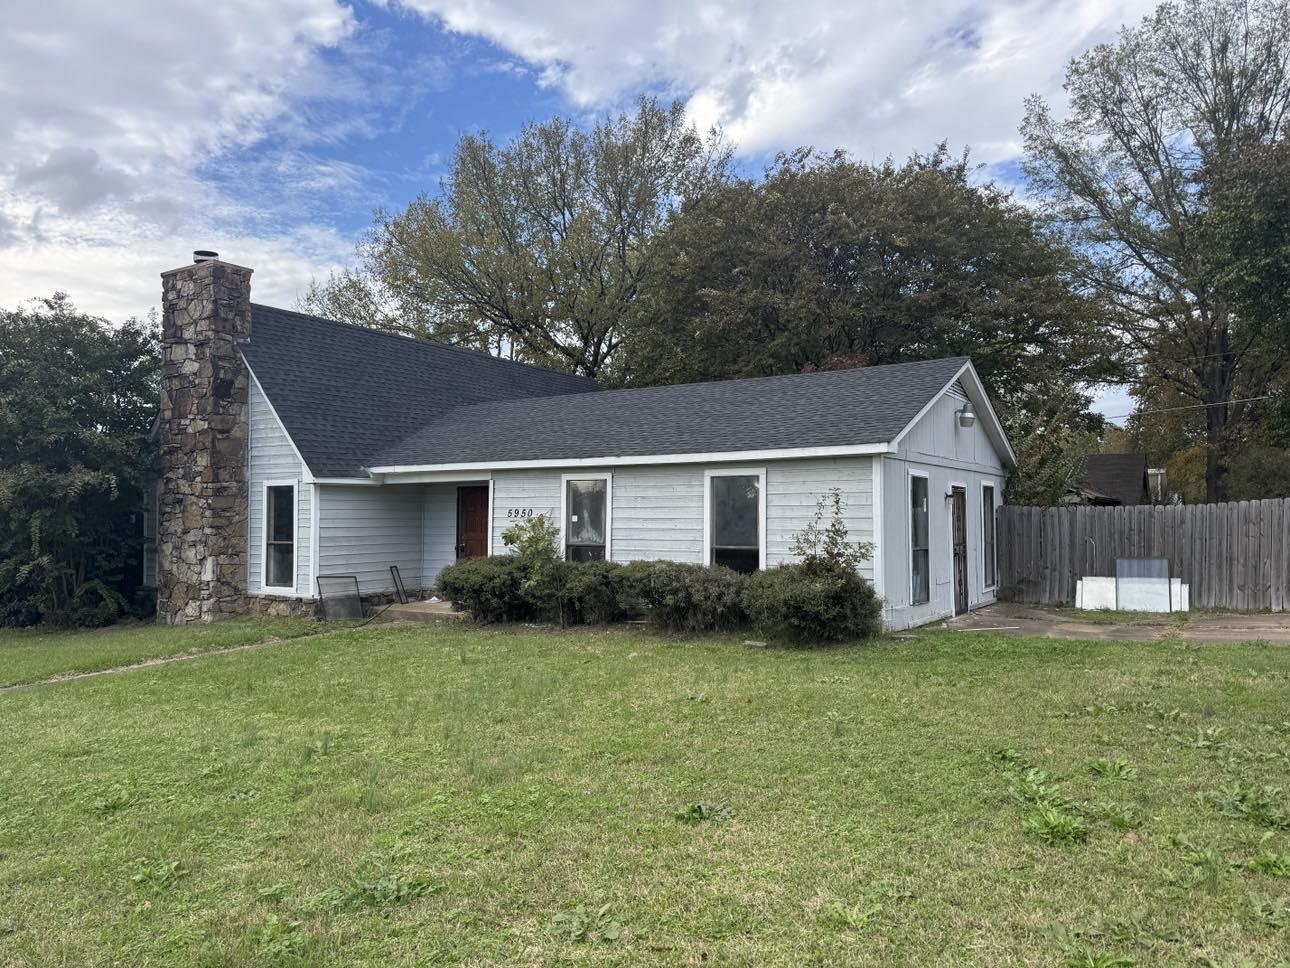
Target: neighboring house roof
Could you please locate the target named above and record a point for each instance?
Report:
(344, 393)
(1112, 479)
(870, 405)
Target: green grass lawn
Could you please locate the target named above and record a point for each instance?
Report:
(26, 656)
(442, 795)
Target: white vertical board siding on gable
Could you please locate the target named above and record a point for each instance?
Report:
(363, 530)
(950, 456)
(270, 457)
(658, 509)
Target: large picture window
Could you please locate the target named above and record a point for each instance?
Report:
(987, 535)
(734, 520)
(586, 519)
(280, 537)
(921, 584)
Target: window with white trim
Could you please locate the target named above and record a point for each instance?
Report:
(280, 536)
(734, 524)
(586, 518)
(920, 564)
(987, 535)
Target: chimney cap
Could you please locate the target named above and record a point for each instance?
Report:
(204, 255)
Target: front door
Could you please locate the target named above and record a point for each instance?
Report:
(472, 521)
(959, 529)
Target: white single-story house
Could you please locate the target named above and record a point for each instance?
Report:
(295, 447)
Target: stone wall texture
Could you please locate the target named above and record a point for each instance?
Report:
(202, 514)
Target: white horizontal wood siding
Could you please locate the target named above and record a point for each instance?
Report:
(439, 530)
(950, 456)
(270, 457)
(658, 510)
(363, 530)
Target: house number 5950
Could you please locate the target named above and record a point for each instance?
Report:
(519, 512)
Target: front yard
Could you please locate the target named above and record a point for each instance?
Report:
(448, 794)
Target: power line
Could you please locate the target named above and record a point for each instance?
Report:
(1190, 406)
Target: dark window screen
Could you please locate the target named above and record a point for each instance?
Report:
(279, 530)
(918, 519)
(736, 525)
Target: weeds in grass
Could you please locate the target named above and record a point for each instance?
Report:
(1205, 738)
(1208, 863)
(7, 926)
(696, 813)
(114, 799)
(1121, 816)
(1269, 912)
(275, 892)
(1109, 769)
(384, 890)
(1054, 825)
(1034, 787)
(280, 936)
(319, 747)
(584, 924)
(1270, 863)
(1082, 956)
(837, 720)
(370, 798)
(1264, 806)
(156, 877)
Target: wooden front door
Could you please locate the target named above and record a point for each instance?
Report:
(959, 530)
(472, 521)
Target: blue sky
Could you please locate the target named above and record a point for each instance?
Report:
(132, 133)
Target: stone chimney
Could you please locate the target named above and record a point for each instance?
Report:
(202, 510)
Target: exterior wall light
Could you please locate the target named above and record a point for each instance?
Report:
(967, 416)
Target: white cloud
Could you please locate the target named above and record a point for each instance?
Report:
(113, 118)
(875, 77)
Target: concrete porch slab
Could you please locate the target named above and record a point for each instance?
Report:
(422, 612)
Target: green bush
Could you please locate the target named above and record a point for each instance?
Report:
(593, 592)
(490, 589)
(685, 598)
(813, 603)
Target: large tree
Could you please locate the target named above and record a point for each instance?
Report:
(827, 258)
(78, 398)
(1155, 119)
(538, 247)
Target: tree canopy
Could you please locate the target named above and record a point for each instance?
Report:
(827, 259)
(1157, 119)
(78, 398)
(539, 246)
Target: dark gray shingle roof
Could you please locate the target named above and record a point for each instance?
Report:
(864, 406)
(345, 393)
(1120, 477)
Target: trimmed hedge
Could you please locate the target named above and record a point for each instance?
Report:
(800, 603)
(490, 589)
(813, 603)
(686, 598)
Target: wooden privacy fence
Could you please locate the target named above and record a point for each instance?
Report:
(1232, 555)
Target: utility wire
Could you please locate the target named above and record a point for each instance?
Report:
(1190, 406)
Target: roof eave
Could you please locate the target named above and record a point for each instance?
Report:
(395, 472)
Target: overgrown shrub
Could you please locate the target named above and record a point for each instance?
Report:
(813, 603)
(490, 589)
(685, 598)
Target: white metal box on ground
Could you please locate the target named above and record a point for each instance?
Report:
(1134, 594)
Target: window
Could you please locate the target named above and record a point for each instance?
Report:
(586, 518)
(280, 537)
(921, 586)
(734, 520)
(987, 533)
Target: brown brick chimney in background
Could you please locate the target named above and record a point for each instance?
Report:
(202, 512)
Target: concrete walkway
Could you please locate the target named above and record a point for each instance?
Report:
(1068, 623)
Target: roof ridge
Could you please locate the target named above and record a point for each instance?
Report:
(417, 341)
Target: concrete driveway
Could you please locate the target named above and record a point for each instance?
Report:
(1068, 623)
